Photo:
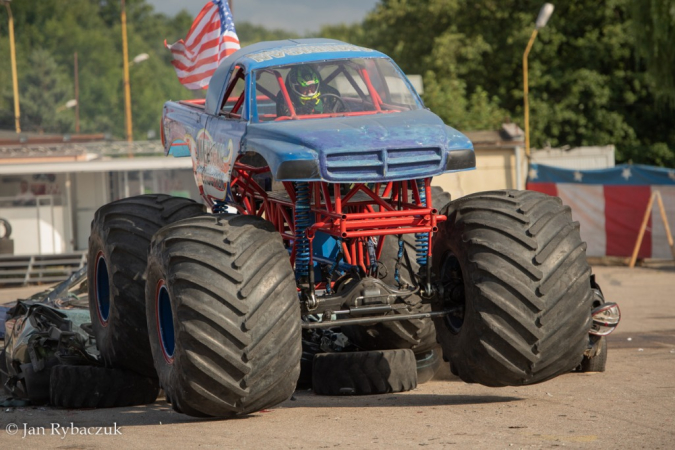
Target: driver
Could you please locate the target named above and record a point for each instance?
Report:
(308, 94)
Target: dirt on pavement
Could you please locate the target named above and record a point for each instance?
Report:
(631, 405)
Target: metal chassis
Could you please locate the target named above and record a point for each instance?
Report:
(353, 214)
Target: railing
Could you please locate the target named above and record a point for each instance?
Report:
(107, 148)
(39, 268)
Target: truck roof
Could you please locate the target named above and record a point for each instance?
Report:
(276, 53)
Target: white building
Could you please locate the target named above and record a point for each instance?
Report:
(69, 181)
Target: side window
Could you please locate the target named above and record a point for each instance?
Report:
(267, 92)
(235, 94)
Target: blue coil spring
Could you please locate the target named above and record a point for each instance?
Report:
(303, 221)
(219, 207)
(422, 239)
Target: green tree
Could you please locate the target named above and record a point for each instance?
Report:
(250, 34)
(653, 27)
(92, 29)
(587, 86)
(43, 96)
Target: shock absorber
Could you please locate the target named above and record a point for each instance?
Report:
(422, 239)
(302, 222)
(219, 207)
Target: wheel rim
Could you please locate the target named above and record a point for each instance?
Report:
(454, 297)
(426, 359)
(102, 289)
(165, 321)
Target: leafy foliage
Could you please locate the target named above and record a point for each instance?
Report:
(654, 29)
(44, 94)
(587, 84)
(93, 30)
(598, 71)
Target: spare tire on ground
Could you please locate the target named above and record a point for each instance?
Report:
(309, 349)
(364, 373)
(99, 387)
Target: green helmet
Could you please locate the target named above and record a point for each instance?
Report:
(304, 82)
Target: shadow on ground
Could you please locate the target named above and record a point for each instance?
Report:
(160, 412)
(653, 339)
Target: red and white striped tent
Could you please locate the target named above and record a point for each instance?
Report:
(610, 205)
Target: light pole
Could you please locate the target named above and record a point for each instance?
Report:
(127, 89)
(542, 19)
(77, 96)
(15, 80)
(140, 58)
(69, 104)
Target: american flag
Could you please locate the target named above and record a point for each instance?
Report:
(211, 39)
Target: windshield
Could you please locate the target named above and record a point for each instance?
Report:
(346, 87)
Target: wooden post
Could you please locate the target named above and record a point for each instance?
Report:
(641, 234)
(643, 227)
(662, 210)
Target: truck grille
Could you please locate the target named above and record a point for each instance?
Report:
(378, 164)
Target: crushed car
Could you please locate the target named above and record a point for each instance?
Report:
(50, 355)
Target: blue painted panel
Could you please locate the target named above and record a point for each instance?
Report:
(379, 147)
(179, 149)
(325, 246)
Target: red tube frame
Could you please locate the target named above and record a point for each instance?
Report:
(349, 213)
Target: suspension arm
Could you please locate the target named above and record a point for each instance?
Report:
(371, 320)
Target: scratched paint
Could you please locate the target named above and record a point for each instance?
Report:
(379, 147)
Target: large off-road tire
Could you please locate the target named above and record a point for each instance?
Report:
(118, 253)
(416, 334)
(364, 373)
(223, 315)
(513, 266)
(99, 387)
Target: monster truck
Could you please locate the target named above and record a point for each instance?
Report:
(323, 215)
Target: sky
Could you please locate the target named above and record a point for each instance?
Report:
(300, 16)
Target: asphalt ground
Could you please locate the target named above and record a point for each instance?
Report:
(630, 406)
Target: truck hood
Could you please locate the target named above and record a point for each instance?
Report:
(378, 147)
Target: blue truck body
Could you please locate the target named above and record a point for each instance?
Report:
(365, 148)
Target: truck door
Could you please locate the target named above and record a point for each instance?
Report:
(218, 145)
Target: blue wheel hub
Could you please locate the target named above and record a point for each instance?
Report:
(165, 322)
(102, 289)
